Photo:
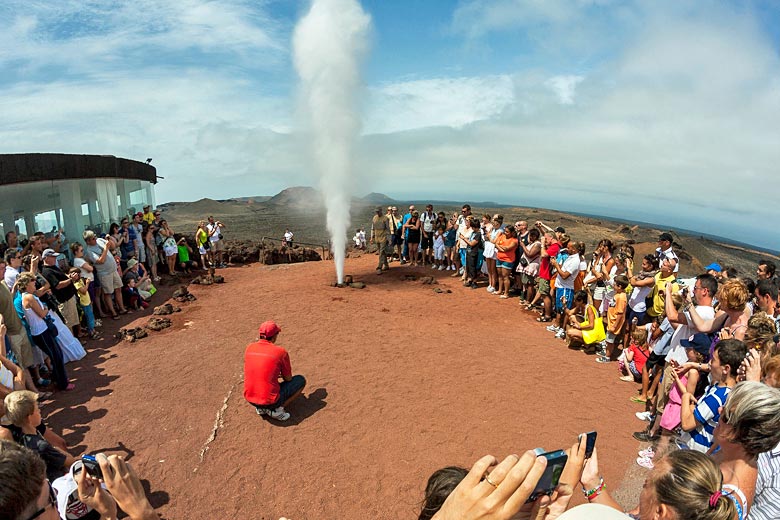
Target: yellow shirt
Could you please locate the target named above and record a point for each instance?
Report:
(148, 217)
(84, 298)
(660, 287)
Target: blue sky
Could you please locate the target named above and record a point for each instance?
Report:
(663, 111)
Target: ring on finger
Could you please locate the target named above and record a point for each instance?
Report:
(487, 479)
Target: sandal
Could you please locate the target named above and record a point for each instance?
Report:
(637, 399)
(544, 319)
(115, 317)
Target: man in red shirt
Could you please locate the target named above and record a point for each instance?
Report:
(264, 363)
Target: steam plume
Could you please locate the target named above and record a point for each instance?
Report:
(329, 44)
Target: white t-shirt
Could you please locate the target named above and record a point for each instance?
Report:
(677, 351)
(79, 262)
(215, 228)
(427, 221)
(288, 236)
(637, 299)
(10, 276)
(572, 266)
(6, 377)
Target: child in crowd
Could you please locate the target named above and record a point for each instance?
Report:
(634, 358)
(439, 261)
(82, 288)
(697, 348)
(131, 295)
(450, 239)
(698, 419)
(590, 331)
(616, 317)
(22, 410)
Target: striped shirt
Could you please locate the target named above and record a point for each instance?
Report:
(707, 415)
(766, 503)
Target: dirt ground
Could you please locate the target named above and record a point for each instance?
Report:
(401, 381)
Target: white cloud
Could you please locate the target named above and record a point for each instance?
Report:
(564, 87)
(454, 102)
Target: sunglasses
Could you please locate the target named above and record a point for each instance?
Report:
(52, 502)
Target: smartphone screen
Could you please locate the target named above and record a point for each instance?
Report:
(590, 443)
(556, 460)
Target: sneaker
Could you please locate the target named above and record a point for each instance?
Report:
(461, 271)
(403, 262)
(279, 414)
(44, 382)
(490, 289)
(552, 328)
(98, 322)
(644, 436)
(433, 267)
(644, 416)
(560, 334)
(645, 462)
(647, 453)
(603, 359)
(261, 411)
(441, 268)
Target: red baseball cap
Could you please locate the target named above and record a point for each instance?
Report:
(269, 329)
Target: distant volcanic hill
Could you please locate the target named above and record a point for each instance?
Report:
(377, 198)
(298, 196)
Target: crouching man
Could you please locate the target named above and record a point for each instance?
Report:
(264, 364)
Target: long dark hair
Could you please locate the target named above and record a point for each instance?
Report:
(439, 487)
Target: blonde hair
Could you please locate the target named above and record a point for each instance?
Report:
(689, 485)
(20, 405)
(22, 280)
(734, 295)
(752, 412)
(639, 336)
(772, 366)
(760, 332)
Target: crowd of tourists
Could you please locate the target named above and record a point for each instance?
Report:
(703, 352)
(53, 298)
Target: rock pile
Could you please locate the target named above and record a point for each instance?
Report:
(165, 308)
(182, 294)
(248, 251)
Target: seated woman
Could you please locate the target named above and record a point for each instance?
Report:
(589, 332)
(749, 425)
(23, 412)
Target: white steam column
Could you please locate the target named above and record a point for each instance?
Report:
(329, 43)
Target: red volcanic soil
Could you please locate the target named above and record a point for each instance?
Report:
(401, 381)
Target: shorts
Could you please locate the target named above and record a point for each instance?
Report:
(70, 312)
(543, 286)
(170, 250)
(110, 282)
(560, 294)
(22, 349)
(426, 243)
(654, 360)
(640, 316)
(201, 250)
(286, 390)
(527, 279)
(611, 337)
(598, 292)
(217, 246)
(503, 265)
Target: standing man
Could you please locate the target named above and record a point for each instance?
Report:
(148, 216)
(12, 241)
(288, 237)
(63, 289)
(395, 224)
(665, 251)
(380, 230)
(405, 255)
(106, 271)
(214, 229)
(264, 364)
(140, 250)
(428, 219)
(18, 339)
(463, 227)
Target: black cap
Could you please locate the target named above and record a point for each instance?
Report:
(700, 342)
(666, 237)
(560, 229)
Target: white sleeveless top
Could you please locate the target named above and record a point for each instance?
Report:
(36, 323)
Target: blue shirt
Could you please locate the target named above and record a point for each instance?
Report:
(707, 416)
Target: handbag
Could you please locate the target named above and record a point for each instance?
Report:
(523, 261)
(50, 326)
(220, 236)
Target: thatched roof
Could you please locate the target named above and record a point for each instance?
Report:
(32, 167)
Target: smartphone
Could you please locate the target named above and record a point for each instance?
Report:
(556, 460)
(590, 443)
(91, 466)
(685, 292)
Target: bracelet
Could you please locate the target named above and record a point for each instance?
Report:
(593, 493)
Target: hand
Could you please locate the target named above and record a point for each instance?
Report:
(93, 495)
(750, 368)
(34, 260)
(725, 333)
(688, 397)
(591, 476)
(680, 370)
(123, 484)
(476, 499)
(572, 472)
